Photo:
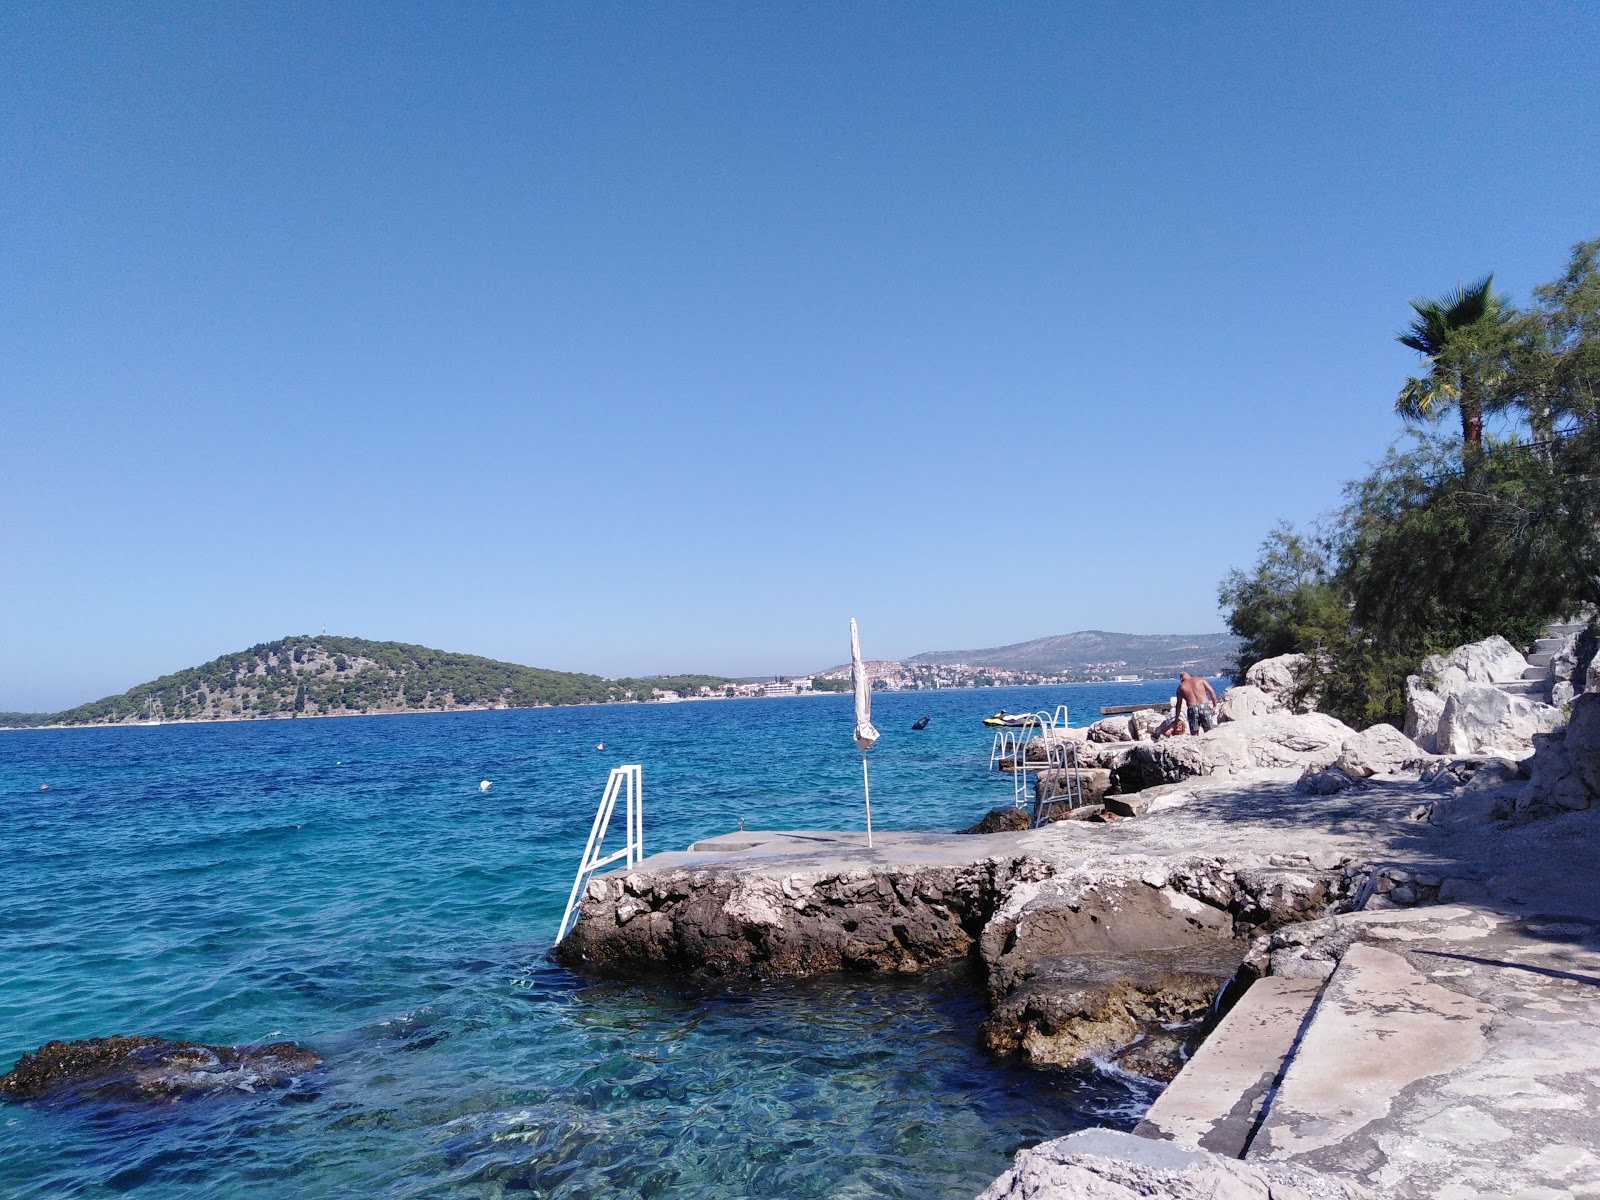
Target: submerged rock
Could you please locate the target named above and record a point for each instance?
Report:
(152, 1068)
(1139, 1010)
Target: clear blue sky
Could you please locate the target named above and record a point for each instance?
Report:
(654, 338)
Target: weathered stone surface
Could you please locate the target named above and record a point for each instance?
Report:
(1100, 1164)
(1244, 700)
(1283, 740)
(1583, 739)
(1379, 750)
(1079, 1008)
(1424, 707)
(1110, 729)
(1147, 721)
(728, 921)
(1093, 783)
(1006, 819)
(1217, 1098)
(152, 1068)
(1493, 660)
(1282, 679)
(1480, 718)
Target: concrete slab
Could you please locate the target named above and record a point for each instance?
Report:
(1218, 1098)
(1456, 1066)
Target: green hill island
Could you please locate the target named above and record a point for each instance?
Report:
(343, 676)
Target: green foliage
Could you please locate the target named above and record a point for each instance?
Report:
(1288, 603)
(1464, 338)
(1452, 540)
(320, 675)
(830, 685)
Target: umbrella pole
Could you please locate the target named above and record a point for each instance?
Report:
(866, 788)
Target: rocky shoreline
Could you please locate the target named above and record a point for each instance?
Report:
(1267, 849)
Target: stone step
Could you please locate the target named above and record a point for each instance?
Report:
(1535, 672)
(1565, 628)
(1379, 1026)
(1549, 645)
(1539, 659)
(1217, 1099)
(1536, 688)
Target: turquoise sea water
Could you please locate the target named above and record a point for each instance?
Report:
(344, 883)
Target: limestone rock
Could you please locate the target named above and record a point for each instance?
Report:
(1101, 1164)
(1441, 676)
(1282, 740)
(1327, 781)
(1480, 718)
(1110, 729)
(152, 1068)
(1282, 679)
(1071, 1010)
(1583, 739)
(1493, 660)
(1093, 783)
(1146, 721)
(1380, 750)
(1245, 700)
(1006, 819)
(1563, 661)
(1424, 707)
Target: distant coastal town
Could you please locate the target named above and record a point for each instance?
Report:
(892, 676)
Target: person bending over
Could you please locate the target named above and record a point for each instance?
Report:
(1201, 701)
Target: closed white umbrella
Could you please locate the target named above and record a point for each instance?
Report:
(865, 733)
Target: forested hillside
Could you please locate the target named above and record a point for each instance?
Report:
(323, 676)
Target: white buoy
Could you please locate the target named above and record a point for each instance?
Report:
(483, 786)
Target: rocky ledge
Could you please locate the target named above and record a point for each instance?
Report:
(151, 1068)
(1114, 960)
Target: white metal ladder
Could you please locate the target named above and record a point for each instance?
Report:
(628, 780)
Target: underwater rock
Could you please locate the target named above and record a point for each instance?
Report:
(152, 1068)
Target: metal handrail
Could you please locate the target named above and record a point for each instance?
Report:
(627, 779)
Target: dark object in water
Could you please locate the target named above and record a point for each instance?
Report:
(152, 1068)
(920, 723)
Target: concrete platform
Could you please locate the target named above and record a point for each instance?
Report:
(1217, 1100)
(1453, 1056)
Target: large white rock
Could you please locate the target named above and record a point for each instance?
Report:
(1493, 660)
(1110, 729)
(1380, 750)
(1303, 740)
(1245, 700)
(1481, 719)
(1146, 721)
(1424, 707)
(1280, 678)
(1101, 1164)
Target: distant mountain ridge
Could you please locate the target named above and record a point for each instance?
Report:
(1094, 651)
(342, 676)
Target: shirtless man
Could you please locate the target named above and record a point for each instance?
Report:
(1197, 695)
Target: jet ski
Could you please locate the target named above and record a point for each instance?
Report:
(1012, 720)
(920, 723)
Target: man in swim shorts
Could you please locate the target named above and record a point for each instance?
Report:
(1201, 701)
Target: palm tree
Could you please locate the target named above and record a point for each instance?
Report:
(1461, 337)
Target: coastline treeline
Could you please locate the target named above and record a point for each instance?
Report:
(1461, 533)
(324, 676)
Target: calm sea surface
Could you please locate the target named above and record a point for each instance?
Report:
(344, 883)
